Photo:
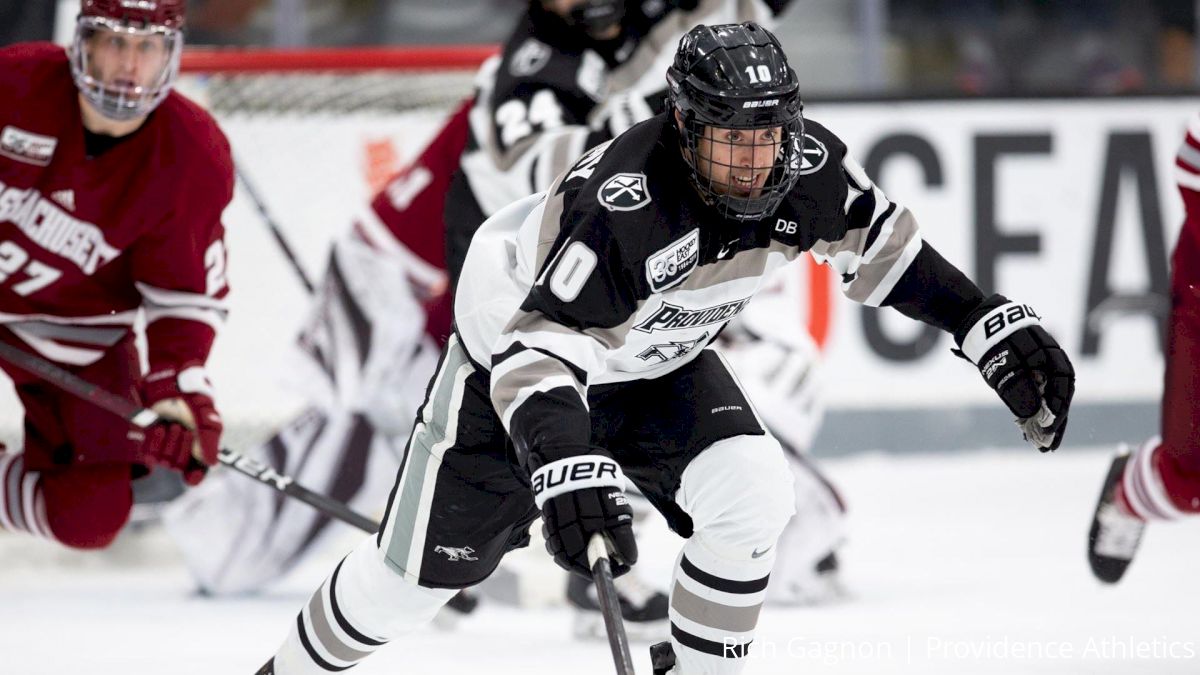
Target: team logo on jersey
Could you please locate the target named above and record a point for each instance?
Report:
(25, 146)
(812, 155)
(529, 58)
(674, 317)
(672, 350)
(624, 192)
(670, 265)
(457, 553)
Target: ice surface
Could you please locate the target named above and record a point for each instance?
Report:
(968, 563)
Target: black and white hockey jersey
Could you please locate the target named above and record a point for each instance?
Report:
(551, 95)
(621, 272)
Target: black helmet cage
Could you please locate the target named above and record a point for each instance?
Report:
(736, 76)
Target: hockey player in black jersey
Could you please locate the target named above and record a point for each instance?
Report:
(580, 361)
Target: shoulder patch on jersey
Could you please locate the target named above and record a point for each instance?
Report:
(26, 146)
(812, 155)
(529, 58)
(672, 264)
(624, 192)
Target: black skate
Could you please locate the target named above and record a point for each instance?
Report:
(644, 609)
(662, 658)
(1115, 533)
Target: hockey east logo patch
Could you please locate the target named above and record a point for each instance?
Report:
(670, 265)
(624, 192)
(25, 146)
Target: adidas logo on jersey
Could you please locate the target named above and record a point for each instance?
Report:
(64, 197)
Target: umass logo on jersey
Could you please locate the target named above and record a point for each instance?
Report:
(624, 192)
(674, 317)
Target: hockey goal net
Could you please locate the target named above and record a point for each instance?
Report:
(314, 133)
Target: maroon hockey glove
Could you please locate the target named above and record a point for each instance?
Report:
(579, 497)
(188, 439)
(1024, 364)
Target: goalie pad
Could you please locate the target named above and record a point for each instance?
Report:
(238, 537)
(364, 347)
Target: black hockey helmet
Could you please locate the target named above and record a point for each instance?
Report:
(736, 77)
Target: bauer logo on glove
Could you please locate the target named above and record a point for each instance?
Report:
(1023, 364)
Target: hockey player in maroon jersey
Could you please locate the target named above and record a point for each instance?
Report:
(1160, 480)
(111, 193)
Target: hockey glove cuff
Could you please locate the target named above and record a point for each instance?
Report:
(1023, 364)
(579, 497)
(188, 440)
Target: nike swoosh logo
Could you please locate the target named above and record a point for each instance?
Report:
(758, 554)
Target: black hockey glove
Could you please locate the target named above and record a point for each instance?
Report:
(1026, 367)
(579, 497)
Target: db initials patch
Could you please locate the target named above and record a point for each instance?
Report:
(26, 146)
(670, 265)
(624, 192)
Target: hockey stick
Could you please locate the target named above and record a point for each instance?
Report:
(144, 417)
(276, 232)
(610, 606)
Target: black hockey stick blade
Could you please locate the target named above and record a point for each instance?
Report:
(610, 606)
(144, 417)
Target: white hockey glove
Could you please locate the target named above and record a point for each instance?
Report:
(1024, 364)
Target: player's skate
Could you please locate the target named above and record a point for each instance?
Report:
(643, 608)
(1115, 532)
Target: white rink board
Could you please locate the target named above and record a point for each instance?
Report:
(312, 173)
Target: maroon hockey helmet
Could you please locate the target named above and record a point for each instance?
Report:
(125, 56)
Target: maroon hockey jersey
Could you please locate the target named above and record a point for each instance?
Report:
(86, 241)
(1185, 270)
(410, 209)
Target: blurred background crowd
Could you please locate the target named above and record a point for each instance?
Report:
(842, 47)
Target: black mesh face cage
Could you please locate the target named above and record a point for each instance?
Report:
(744, 173)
